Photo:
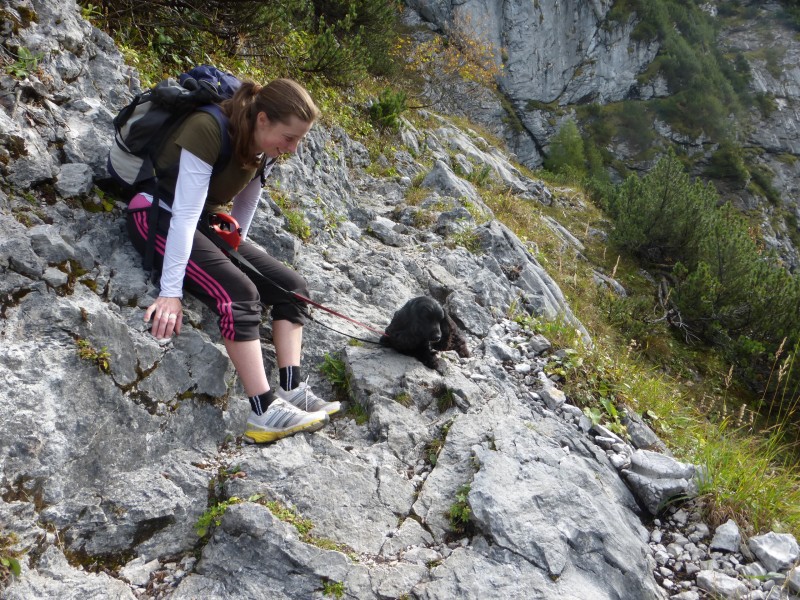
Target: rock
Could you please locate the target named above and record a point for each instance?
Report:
(53, 577)
(721, 585)
(655, 479)
(553, 397)
(138, 572)
(726, 537)
(74, 180)
(776, 551)
(793, 579)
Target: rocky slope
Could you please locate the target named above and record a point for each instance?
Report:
(479, 480)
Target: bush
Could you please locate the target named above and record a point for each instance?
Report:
(657, 217)
(727, 289)
(566, 151)
(728, 163)
(341, 40)
(385, 112)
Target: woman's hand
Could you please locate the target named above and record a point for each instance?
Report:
(168, 317)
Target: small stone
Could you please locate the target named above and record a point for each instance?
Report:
(655, 536)
(680, 517)
(674, 550)
(686, 595)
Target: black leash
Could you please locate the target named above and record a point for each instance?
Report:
(298, 299)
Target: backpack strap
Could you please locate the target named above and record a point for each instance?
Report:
(226, 150)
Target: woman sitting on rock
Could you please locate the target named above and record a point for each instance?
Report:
(265, 122)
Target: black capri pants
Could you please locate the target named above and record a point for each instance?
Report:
(224, 287)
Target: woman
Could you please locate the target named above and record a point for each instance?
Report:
(264, 122)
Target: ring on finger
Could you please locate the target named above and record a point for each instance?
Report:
(172, 317)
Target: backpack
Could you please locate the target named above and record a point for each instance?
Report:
(142, 127)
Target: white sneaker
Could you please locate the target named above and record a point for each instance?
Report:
(280, 420)
(303, 398)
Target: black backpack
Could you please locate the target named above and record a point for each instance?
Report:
(142, 127)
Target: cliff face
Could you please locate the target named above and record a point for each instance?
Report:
(554, 52)
(564, 54)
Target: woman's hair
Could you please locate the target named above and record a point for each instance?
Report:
(280, 99)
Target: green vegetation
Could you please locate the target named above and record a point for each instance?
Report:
(725, 289)
(386, 110)
(468, 240)
(296, 222)
(404, 399)
(459, 513)
(445, 399)
(101, 357)
(333, 588)
(566, 150)
(26, 63)
(689, 393)
(340, 40)
(304, 527)
(212, 517)
(9, 560)
(335, 371)
(289, 515)
(434, 447)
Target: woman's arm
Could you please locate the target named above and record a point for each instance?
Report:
(245, 204)
(246, 201)
(190, 196)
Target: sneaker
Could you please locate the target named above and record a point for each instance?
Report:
(282, 419)
(303, 398)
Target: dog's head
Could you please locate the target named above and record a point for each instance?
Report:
(417, 322)
(426, 316)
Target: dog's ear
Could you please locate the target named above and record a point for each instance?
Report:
(402, 334)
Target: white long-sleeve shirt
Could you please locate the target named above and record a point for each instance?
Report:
(190, 194)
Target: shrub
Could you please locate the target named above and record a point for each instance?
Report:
(728, 163)
(459, 513)
(341, 40)
(658, 216)
(566, 150)
(725, 286)
(386, 110)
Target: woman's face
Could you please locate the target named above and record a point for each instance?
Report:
(274, 138)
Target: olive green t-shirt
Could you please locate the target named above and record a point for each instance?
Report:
(200, 135)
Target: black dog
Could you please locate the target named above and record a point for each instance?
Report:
(421, 328)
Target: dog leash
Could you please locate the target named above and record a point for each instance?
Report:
(221, 241)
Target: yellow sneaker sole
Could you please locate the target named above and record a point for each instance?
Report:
(256, 436)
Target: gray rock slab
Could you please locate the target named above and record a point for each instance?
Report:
(776, 551)
(721, 585)
(348, 498)
(53, 577)
(656, 479)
